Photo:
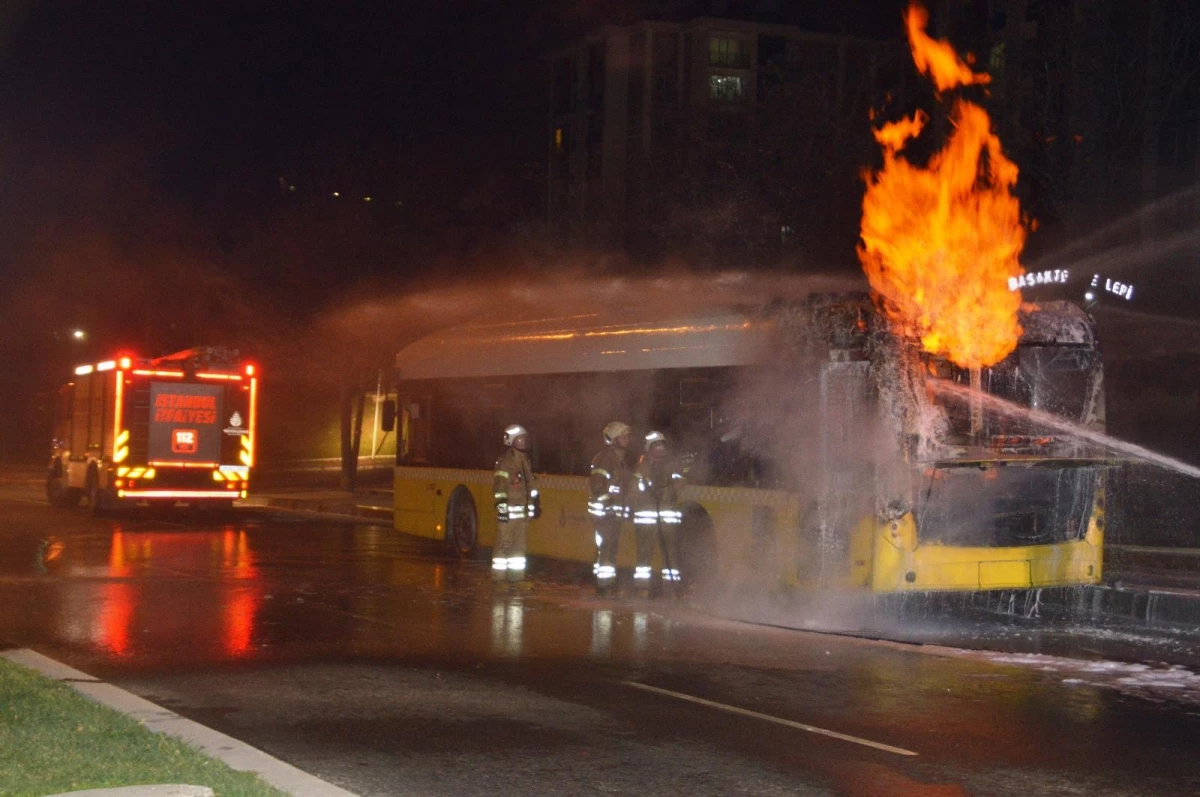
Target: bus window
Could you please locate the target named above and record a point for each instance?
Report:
(79, 413)
(696, 392)
(96, 418)
(63, 412)
(416, 427)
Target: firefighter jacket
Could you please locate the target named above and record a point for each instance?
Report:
(655, 496)
(514, 488)
(609, 482)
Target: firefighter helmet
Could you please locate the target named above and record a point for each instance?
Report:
(511, 434)
(655, 438)
(614, 430)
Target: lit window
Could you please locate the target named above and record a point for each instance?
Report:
(726, 88)
(558, 139)
(725, 52)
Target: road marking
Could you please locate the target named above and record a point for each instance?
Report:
(887, 748)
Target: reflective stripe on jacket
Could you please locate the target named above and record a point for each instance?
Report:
(513, 484)
(608, 481)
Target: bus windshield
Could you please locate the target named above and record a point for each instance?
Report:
(1003, 506)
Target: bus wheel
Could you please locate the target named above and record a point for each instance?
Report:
(698, 547)
(462, 522)
(57, 492)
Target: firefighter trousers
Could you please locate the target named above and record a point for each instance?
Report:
(508, 556)
(608, 535)
(649, 537)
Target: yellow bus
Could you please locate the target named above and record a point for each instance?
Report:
(822, 451)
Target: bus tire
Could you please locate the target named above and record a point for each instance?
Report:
(58, 495)
(462, 523)
(698, 547)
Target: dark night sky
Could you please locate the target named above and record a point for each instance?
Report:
(205, 104)
(168, 125)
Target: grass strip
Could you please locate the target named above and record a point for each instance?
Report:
(53, 739)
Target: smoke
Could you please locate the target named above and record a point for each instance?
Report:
(368, 327)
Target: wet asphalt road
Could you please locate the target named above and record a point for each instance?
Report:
(385, 666)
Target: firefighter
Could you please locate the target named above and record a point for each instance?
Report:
(517, 503)
(607, 505)
(656, 515)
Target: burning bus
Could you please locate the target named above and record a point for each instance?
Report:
(826, 449)
(166, 430)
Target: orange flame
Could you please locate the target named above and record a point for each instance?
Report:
(939, 242)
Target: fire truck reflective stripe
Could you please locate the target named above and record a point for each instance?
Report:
(516, 563)
(606, 572)
(599, 541)
(500, 564)
(175, 494)
(642, 572)
(602, 472)
(596, 509)
(161, 464)
(502, 474)
(645, 521)
(122, 435)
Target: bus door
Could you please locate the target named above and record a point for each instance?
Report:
(846, 474)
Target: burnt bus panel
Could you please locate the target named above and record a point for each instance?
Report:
(185, 422)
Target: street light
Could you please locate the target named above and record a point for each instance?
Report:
(79, 334)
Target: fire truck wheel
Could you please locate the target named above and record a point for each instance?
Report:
(462, 523)
(698, 548)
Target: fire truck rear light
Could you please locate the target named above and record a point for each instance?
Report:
(119, 482)
(130, 483)
(243, 493)
(249, 370)
(125, 363)
(107, 365)
(83, 369)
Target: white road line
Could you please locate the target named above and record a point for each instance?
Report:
(887, 748)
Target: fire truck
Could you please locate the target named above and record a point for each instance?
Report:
(179, 429)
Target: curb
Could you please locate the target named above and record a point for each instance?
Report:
(237, 755)
(160, 790)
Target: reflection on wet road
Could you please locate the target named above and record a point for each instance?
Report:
(387, 666)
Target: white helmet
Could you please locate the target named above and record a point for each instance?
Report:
(511, 434)
(655, 437)
(614, 430)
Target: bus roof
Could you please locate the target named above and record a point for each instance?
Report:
(585, 343)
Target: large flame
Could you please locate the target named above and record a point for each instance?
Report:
(939, 242)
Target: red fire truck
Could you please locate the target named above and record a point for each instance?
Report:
(168, 430)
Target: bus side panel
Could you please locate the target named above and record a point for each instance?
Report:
(414, 502)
